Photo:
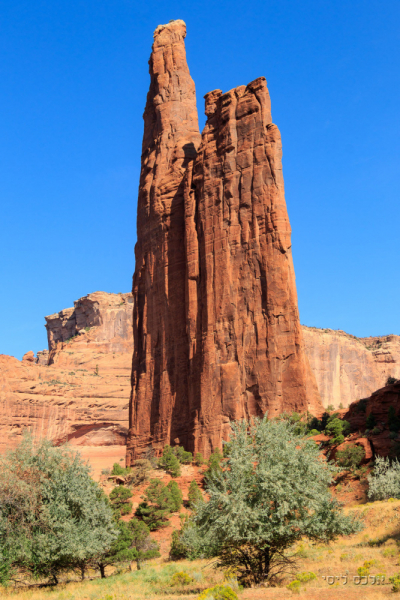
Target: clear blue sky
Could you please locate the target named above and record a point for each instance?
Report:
(74, 78)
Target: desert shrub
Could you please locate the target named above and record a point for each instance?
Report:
(53, 516)
(218, 592)
(191, 543)
(363, 571)
(143, 547)
(306, 576)
(158, 504)
(169, 462)
(195, 495)
(294, 586)
(390, 552)
(199, 459)
(313, 432)
(395, 581)
(350, 457)
(139, 472)
(337, 428)
(183, 457)
(214, 465)
(390, 380)
(119, 498)
(176, 495)
(385, 481)
(272, 493)
(181, 578)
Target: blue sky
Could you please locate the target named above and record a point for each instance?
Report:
(74, 78)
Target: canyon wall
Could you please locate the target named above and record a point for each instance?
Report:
(83, 394)
(216, 326)
(348, 368)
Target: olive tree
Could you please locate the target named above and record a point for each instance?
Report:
(53, 516)
(272, 491)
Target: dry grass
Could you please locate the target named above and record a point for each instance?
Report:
(378, 542)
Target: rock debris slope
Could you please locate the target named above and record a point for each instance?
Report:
(217, 335)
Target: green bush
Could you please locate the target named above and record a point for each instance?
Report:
(169, 462)
(306, 576)
(218, 592)
(158, 504)
(199, 459)
(184, 457)
(176, 495)
(195, 495)
(350, 457)
(384, 482)
(214, 465)
(337, 428)
(294, 586)
(181, 578)
(119, 498)
(371, 421)
(395, 581)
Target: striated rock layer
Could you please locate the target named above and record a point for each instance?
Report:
(216, 326)
(83, 395)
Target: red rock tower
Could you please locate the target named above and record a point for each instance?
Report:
(216, 327)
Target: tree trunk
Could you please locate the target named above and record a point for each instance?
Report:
(102, 571)
(139, 564)
(54, 575)
(83, 569)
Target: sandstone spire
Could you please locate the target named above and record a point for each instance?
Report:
(159, 405)
(216, 326)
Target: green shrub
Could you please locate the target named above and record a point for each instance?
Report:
(294, 586)
(195, 495)
(350, 457)
(390, 380)
(181, 578)
(218, 592)
(119, 498)
(313, 432)
(214, 465)
(176, 495)
(158, 504)
(199, 459)
(306, 576)
(169, 462)
(395, 581)
(385, 481)
(184, 457)
(390, 552)
(117, 469)
(337, 428)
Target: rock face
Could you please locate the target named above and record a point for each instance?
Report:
(216, 327)
(83, 395)
(384, 436)
(348, 368)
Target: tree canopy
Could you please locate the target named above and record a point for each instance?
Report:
(52, 514)
(271, 492)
